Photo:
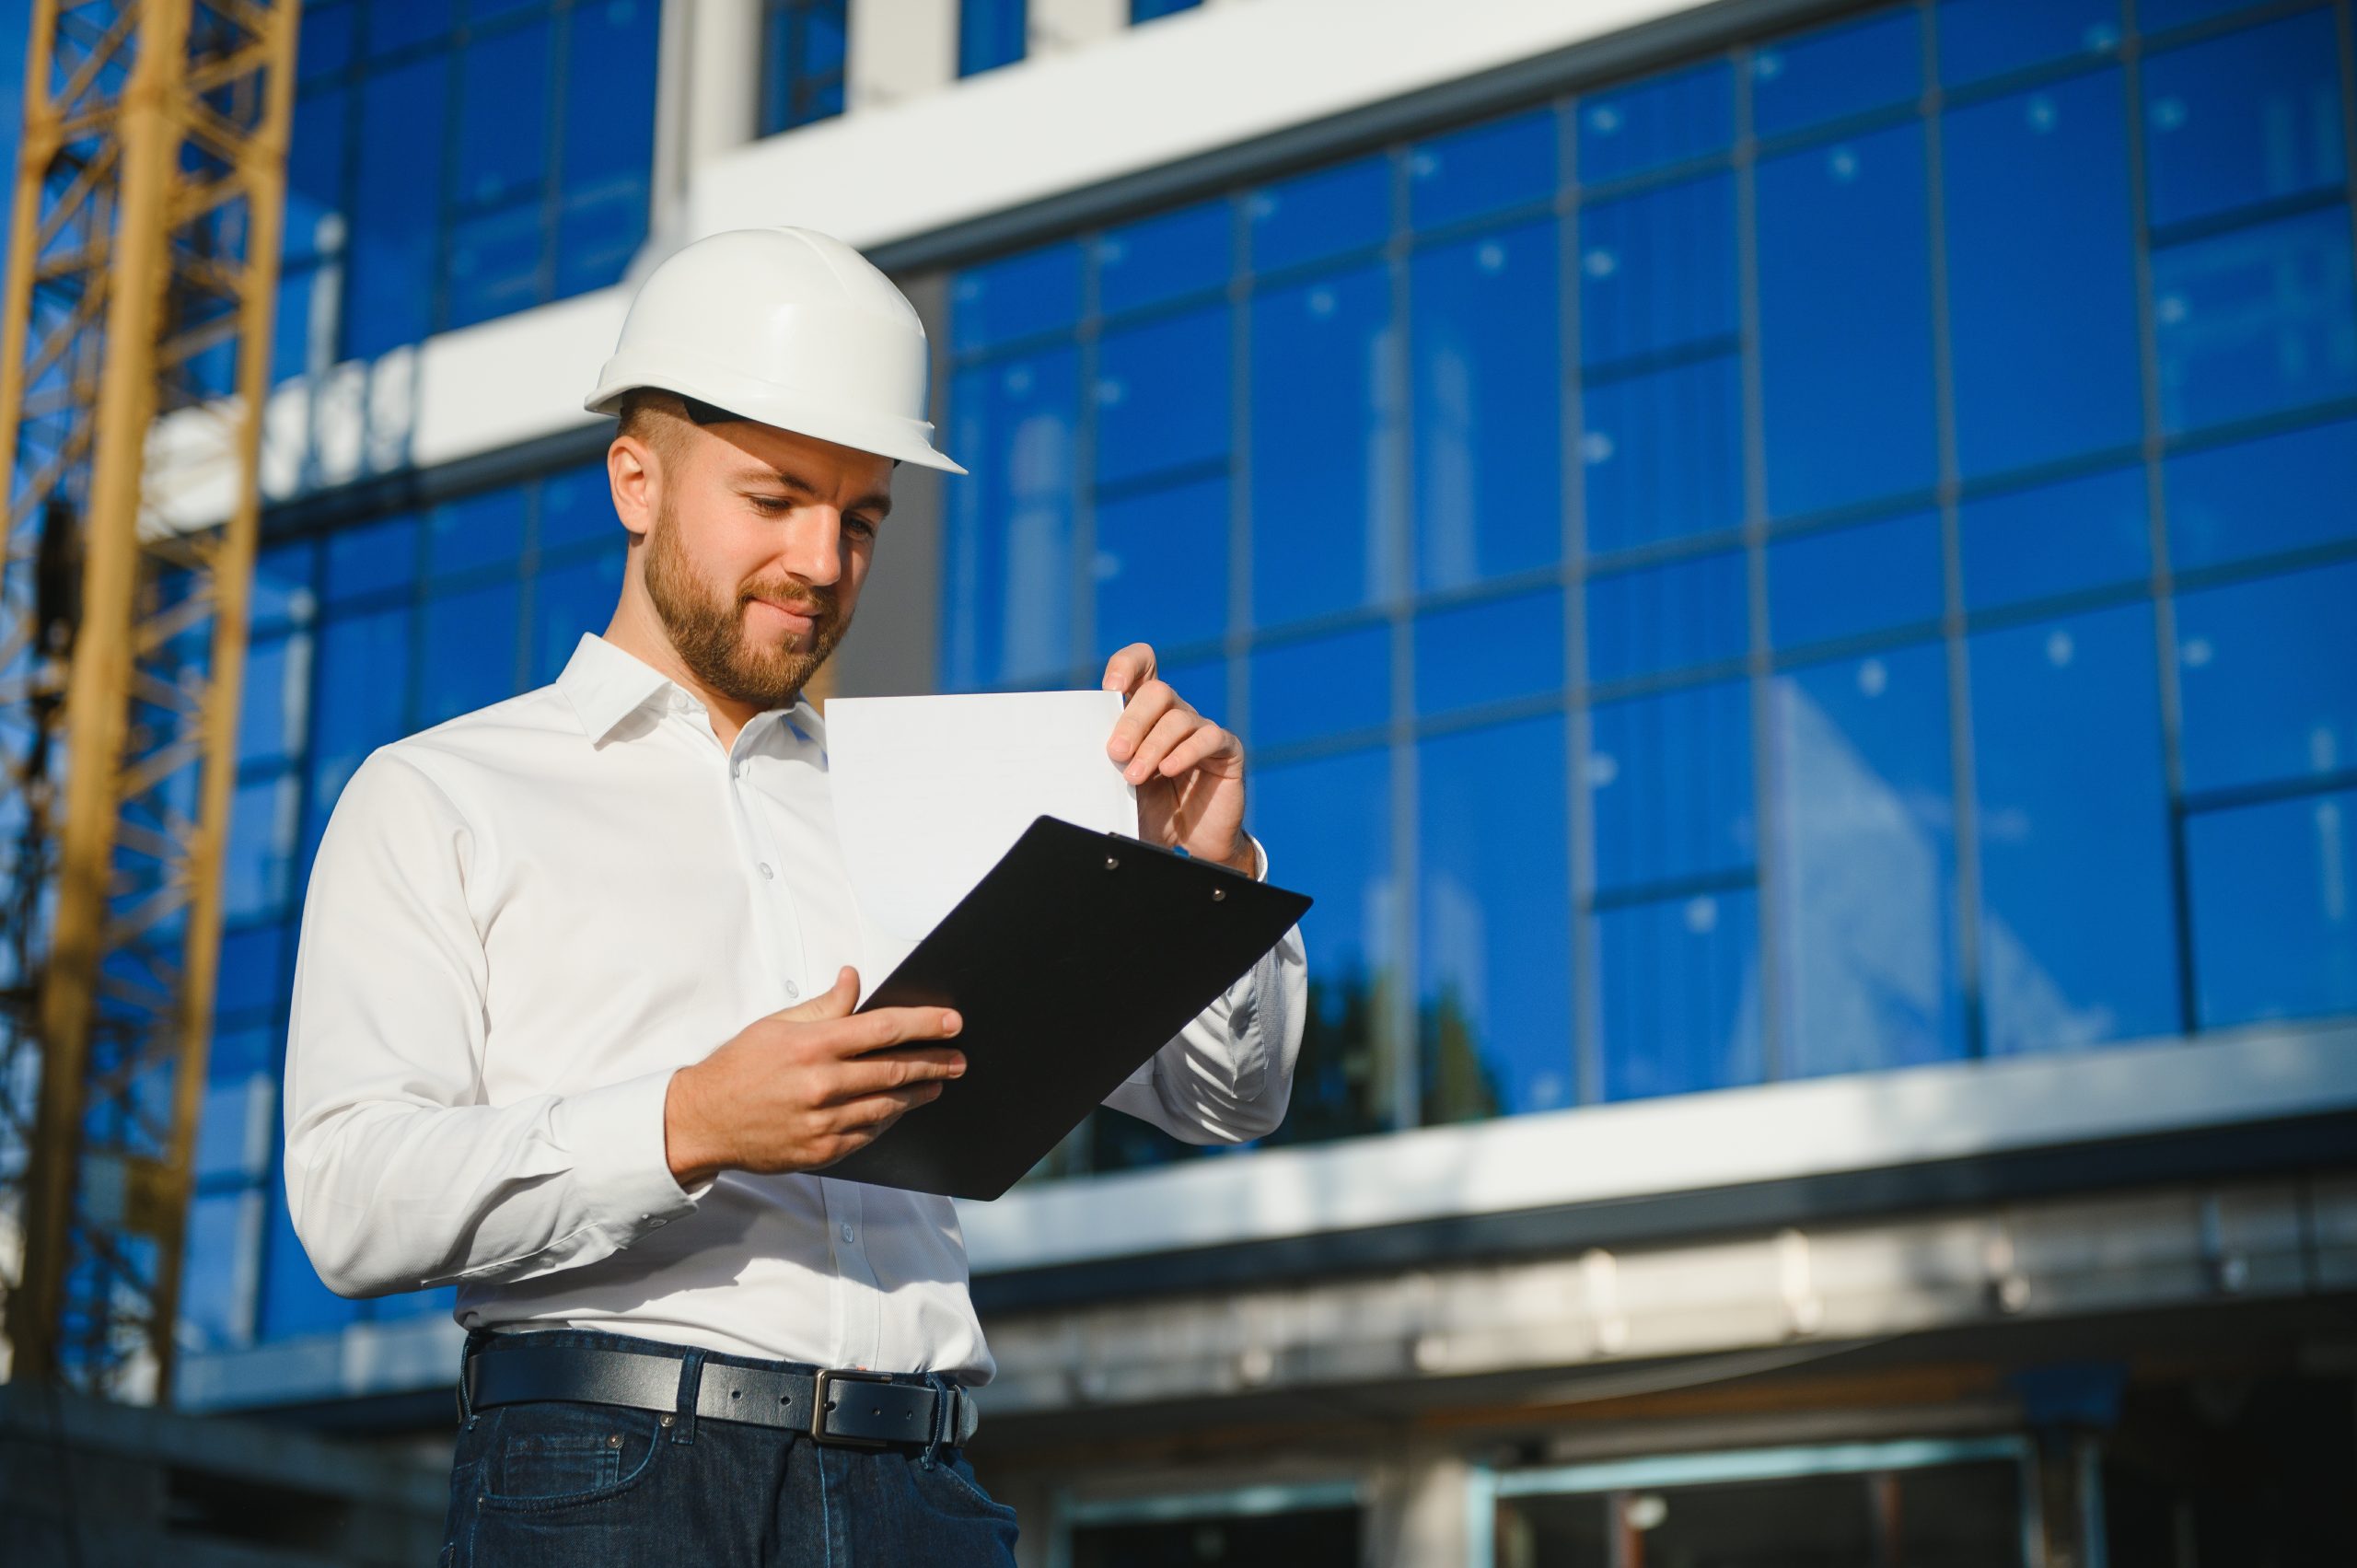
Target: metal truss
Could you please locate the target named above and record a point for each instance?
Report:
(135, 358)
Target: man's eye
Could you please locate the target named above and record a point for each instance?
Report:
(771, 504)
(864, 526)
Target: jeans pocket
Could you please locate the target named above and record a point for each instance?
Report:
(561, 1456)
(951, 1486)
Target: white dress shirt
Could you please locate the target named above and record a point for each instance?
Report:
(519, 923)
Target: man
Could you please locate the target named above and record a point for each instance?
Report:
(571, 1023)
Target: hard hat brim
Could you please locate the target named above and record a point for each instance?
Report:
(762, 403)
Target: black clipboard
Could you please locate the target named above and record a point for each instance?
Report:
(1079, 955)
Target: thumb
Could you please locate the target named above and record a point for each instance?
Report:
(837, 1002)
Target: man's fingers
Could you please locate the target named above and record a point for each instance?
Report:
(837, 1002)
(1171, 728)
(1199, 747)
(1129, 669)
(1145, 709)
(886, 1026)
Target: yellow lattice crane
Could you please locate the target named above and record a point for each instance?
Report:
(143, 263)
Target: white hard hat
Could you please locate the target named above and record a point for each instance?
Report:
(785, 327)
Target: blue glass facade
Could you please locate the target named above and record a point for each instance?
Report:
(1833, 556)
(453, 163)
(804, 49)
(990, 33)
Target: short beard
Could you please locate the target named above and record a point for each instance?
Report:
(710, 634)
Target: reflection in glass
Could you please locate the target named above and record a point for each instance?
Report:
(2274, 892)
(1866, 821)
(275, 700)
(1328, 826)
(222, 1244)
(2078, 944)
(1845, 323)
(2051, 162)
(1325, 415)
(1162, 567)
(1662, 455)
(1680, 1004)
(2244, 117)
(1488, 407)
(2267, 673)
(2256, 321)
(1490, 651)
(1494, 997)
(1008, 555)
(1835, 72)
(1670, 779)
(2254, 498)
(1663, 618)
(256, 863)
(2056, 538)
(1657, 270)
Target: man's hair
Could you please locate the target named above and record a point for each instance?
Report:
(656, 416)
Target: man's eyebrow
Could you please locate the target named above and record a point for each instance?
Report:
(876, 502)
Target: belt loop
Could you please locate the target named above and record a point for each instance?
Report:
(467, 1354)
(943, 1400)
(683, 1420)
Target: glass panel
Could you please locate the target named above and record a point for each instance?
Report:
(1162, 395)
(402, 24)
(252, 977)
(2274, 932)
(2255, 497)
(1657, 270)
(1021, 296)
(1326, 686)
(484, 529)
(1506, 163)
(2256, 321)
(362, 694)
(282, 595)
(323, 43)
(1988, 37)
(1835, 72)
(2053, 164)
(302, 296)
(989, 34)
(1490, 653)
(372, 559)
(216, 1279)
(2078, 938)
(315, 223)
(802, 56)
(607, 156)
(1493, 1004)
(1317, 215)
(2268, 677)
(2153, 15)
(1009, 555)
(1847, 582)
(1488, 407)
(235, 1133)
(494, 264)
(1328, 826)
(1664, 618)
(1148, 10)
(394, 219)
(2056, 538)
(1866, 819)
(1662, 455)
(568, 601)
(1202, 684)
(469, 651)
(293, 1300)
(1165, 257)
(1669, 778)
(577, 505)
(276, 698)
(503, 116)
(2240, 119)
(1162, 568)
(1680, 1004)
(1325, 432)
(1663, 119)
(260, 851)
(1846, 322)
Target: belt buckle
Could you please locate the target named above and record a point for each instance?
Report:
(826, 1379)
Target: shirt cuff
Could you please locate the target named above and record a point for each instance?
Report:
(621, 1160)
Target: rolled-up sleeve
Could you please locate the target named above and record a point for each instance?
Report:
(1227, 1077)
(398, 1174)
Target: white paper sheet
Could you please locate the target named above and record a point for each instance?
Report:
(930, 791)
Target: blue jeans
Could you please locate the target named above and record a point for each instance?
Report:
(540, 1484)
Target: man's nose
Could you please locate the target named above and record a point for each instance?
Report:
(814, 545)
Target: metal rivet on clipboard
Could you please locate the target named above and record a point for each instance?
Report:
(1218, 894)
(1112, 862)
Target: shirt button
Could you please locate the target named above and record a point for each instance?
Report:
(847, 1233)
(765, 870)
(792, 990)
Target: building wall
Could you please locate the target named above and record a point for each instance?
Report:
(1781, 565)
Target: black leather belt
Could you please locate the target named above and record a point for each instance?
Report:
(836, 1405)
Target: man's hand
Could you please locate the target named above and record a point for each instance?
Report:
(797, 1089)
(1188, 770)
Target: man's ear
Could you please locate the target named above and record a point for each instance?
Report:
(634, 474)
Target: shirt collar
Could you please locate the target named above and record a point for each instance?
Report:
(606, 683)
